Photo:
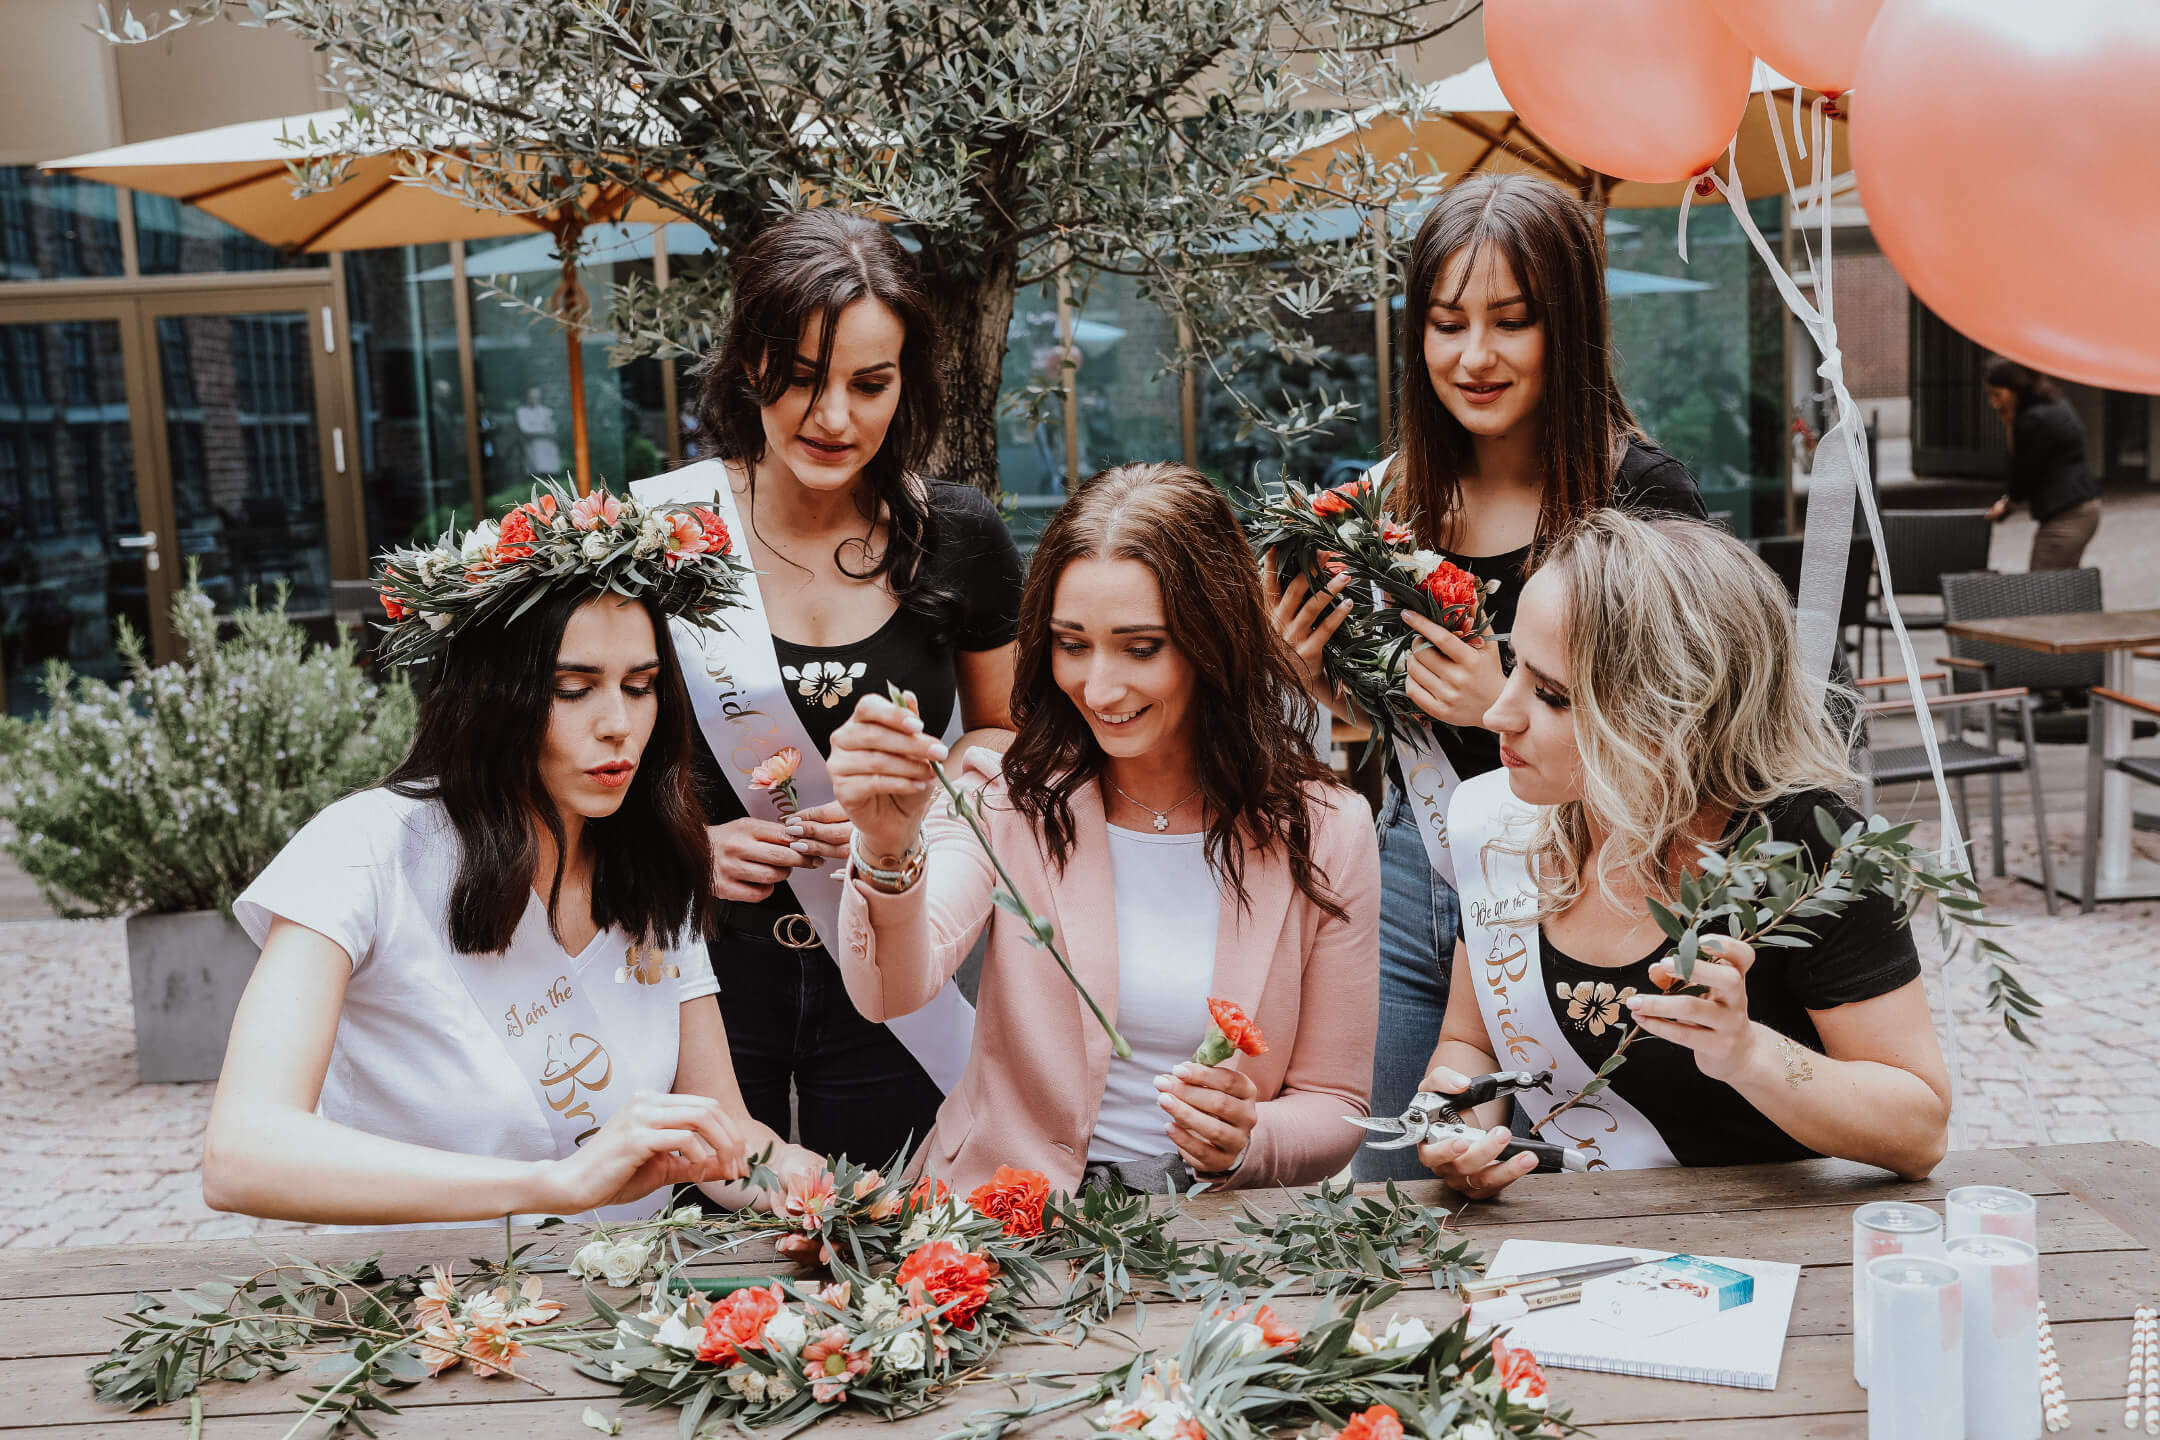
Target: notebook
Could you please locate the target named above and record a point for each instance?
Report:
(1741, 1346)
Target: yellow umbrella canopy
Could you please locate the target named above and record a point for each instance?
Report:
(1463, 124)
(243, 174)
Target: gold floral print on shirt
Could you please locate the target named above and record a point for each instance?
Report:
(648, 965)
(1593, 1005)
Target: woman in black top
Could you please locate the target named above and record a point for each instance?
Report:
(822, 401)
(1513, 427)
(2047, 464)
(1657, 702)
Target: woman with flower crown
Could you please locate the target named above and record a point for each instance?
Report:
(482, 990)
(822, 400)
(1512, 428)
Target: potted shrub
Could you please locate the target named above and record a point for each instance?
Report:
(161, 797)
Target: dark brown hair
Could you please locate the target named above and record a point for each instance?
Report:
(1251, 717)
(811, 265)
(477, 750)
(2028, 384)
(1550, 240)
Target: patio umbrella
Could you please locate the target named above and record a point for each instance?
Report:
(243, 175)
(1464, 124)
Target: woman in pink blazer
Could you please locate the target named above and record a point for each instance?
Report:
(1162, 807)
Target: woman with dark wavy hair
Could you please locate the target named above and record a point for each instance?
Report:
(823, 399)
(1512, 429)
(1163, 807)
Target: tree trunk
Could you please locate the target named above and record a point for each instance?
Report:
(974, 312)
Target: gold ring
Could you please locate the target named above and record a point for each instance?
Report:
(796, 932)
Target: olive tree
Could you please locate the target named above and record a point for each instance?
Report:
(1015, 140)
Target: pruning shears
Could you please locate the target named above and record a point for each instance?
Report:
(1433, 1116)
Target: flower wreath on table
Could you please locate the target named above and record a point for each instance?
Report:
(1349, 529)
(680, 555)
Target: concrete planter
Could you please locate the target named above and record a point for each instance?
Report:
(187, 972)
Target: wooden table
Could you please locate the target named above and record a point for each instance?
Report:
(2116, 633)
(2099, 1214)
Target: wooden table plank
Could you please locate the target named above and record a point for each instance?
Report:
(2085, 632)
(2099, 1216)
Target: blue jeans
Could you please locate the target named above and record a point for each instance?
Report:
(1417, 955)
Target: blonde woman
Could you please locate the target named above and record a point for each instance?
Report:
(1656, 703)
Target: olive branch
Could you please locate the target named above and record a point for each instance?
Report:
(1765, 891)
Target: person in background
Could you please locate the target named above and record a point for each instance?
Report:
(2048, 475)
(1512, 429)
(1162, 807)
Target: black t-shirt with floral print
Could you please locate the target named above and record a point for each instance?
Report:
(972, 556)
(1864, 951)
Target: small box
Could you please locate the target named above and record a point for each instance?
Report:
(1667, 1294)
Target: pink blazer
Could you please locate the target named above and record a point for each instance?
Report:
(1034, 1079)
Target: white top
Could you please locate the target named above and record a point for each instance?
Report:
(416, 1057)
(1168, 901)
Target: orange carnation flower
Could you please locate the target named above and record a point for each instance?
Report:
(941, 1274)
(1378, 1423)
(515, 542)
(1458, 592)
(1016, 1197)
(1519, 1373)
(737, 1323)
(1337, 501)
(1232, 1032)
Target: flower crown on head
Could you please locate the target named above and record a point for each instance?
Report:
(680, 555)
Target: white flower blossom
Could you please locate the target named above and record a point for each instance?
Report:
(619, 1372)
(1521, 1395)
(785, 1332)
(624, 1264)
(779, 1388)
(880, 1302)
(590, 1260)
(936, 1222)
(673, 1334)
(1406, 1332)
(436, 620)
(907, 1350)
(480, 540)
(596, 546)
(746, 1382)
(1250, 1340)
(1475, 1430)
(1163, 1419)
(1360, 1342)
(1420, 563)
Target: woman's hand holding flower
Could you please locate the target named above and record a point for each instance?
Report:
(653, 1140)
(881, 772)
(1306, 619)
(1212, 1111)
(1714, 1025)
(1450, 678)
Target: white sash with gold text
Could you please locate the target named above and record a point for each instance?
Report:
(554, 1035)
(741, 702)
(1500, 936)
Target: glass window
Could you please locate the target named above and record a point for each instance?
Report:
(412, 404)
(56, 227)
(176, 239)
(522, 370)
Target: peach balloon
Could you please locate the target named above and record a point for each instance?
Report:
(1813, 42)
(2006, 154)
(1642, 89)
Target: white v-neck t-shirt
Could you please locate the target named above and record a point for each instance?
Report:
(415, 1058)
(1168, 905)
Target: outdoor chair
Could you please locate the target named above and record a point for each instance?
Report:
(1979, 665)
(1919, 548)
(2098, 762)
(1962, 759)
(1782, 554)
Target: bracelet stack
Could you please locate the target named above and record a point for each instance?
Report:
(892, 882)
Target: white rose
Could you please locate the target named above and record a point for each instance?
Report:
(882, 1297)
(597, 546)
(624, 1264)
(1406, 1333)
(675, 1335)
(906, 1351)
(1164, 1417)
(480, 540)
(785, 1332)
(1360, 1342)
(1475, 1430)
(1422, 563)
(591, 1257)
(686, 1215)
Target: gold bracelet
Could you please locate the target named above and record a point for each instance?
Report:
(892, 882)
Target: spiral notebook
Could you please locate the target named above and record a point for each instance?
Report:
(1741, 1346)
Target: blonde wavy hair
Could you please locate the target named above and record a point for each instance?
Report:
(1687, 694)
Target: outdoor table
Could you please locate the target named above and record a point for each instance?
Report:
(2099, 1224)
(2116, 633)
